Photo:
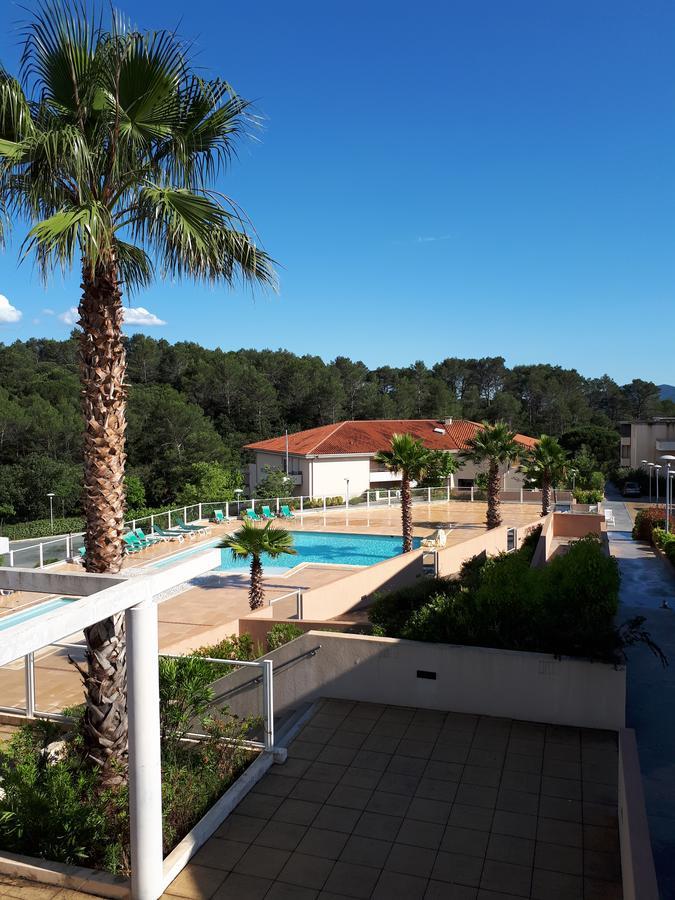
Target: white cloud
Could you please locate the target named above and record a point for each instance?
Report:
(133, 315)
(35, 321)
(48, 312)
(70, 316)
(138, 315)
(428, 240)
(8, 313)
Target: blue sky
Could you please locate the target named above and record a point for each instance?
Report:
(436, 179)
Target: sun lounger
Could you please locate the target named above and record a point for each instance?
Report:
(219, 517)
(286, 512)
(148, 538)
(203, 528)
(170, 534)
(133, 544)
(267, 513)
(252, 514)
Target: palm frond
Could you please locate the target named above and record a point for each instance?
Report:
(134, 265)
(56, 239)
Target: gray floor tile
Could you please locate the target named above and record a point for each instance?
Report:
(481, 775)
(477, 795)
(518, 801)
(336, 818)
(515, 824)
(244, 828)
(420, 834)
(282, 835)
(506, 877)
(465, 840)
(521, 781)
(284, 891)
(331, 773)
(352, 797)
(300, 812)
(565, 788)
(407, 765)
(440, 770)
(458, 868)
(371, 759)
(556, 886)
(559, 808)
(220, 853)
(323, 842)
(602, 865)
(506, 848)
(604, 839)
(437, 789)
(363, 778)
(314, 791)
(553, 831)
(341, 756)
(263, 862)
(441, 890)
(602, 890)
(411, 860)
(378, 825)
(352, 739)
(243, 887)
(352, 880)
(601, 814)
(304, 750)
(471, 817)
(306, 871)
(559, 858)
(396, 886)
(395, 783)
(260, 806)
(391, 804)
(366, 851)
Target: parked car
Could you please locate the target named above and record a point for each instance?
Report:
(631, 489)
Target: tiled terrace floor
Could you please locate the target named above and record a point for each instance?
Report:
(387, 802)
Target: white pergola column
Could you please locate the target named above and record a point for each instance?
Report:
(145, 776)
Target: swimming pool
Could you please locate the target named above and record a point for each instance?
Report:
(34, 612)
(313, 547)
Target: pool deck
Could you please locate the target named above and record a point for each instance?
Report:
(209, 610)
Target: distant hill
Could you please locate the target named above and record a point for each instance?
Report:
(667, 391)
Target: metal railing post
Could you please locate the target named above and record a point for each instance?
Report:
(472, 493)
(29, 678)
(521, 496)
(69, 549)
(253, 504)
(268, 703)
(301, 503)
(447, 489)
(152, 523)
(299, 606)
(168, 518)
(367, 499)
(388, 497)
(11, 557)
(227, 509)
(324, 506)
(277, 509)
(133, 524)
(429, 495)
(42, 555)
(185, 514)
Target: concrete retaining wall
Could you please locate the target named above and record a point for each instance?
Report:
(490, 542)
(637, 861)
(528, 686)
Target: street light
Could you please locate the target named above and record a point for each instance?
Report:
(347, 494)
(668, 458)
(651, 466)
(656, 475)
(51, 510)
(238, 492)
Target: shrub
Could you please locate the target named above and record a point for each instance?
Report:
(281, 634)
(646, 520)
(390, 612)
(233, 647)
(588, 496)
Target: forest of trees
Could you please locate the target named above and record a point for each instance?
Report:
(191, 405)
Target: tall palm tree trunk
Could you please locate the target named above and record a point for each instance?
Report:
(406, 514)
(103, 391)
(545, 496)
(256, 593)
(494, 516)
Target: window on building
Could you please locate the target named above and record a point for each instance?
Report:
(465, 482)
(624, 429)
(625, 451)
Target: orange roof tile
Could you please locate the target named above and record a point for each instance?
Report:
(369, 436)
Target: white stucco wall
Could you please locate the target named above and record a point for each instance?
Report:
(328, 476)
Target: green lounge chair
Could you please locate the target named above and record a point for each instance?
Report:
(203, 528)
(82, 553)
(252, 514)
(287, 513)
(267, 513)
(149, 539)
(219, 517)
(171, 535)
(133, 544)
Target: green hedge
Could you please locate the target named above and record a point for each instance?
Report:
(588, 496)
(566, 608)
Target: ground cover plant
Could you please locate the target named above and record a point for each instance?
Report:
(567, 607)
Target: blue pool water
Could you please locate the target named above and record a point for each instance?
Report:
(34, 612)
(313, 547)
(320, 547)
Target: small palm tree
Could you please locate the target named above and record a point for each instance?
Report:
(252, 541)
(110, 142)
(410, 457)
(496, 445)
(545, 466)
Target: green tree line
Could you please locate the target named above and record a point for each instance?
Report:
(189, 405)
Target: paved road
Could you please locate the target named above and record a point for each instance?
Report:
(646, 582)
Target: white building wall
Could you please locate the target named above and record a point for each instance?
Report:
(328, 476)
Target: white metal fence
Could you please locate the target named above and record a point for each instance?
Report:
(40, 553)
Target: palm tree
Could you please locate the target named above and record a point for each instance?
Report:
(410, 457)
(252, 541)
(109, 147)
(545, 466)
(496, 445)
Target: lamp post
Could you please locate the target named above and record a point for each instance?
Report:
(347, 494)
(668, 458)
(656, 476)
(51, 510)
(238, 492)
(650, 467)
